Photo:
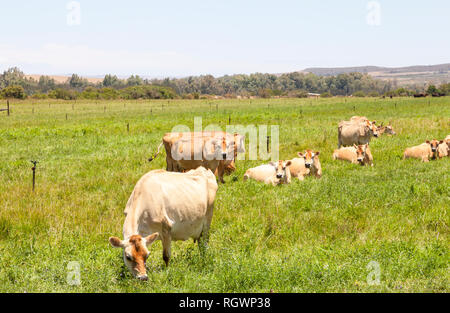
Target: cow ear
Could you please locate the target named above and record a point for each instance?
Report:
(374, 122)
(288, 163)
(317, 153)
(300, 154)
(149, 239)
(427, 141)
(115, 242)
(442, 141)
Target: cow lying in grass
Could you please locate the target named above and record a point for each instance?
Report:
(166, 206)
(306, 164)
(425, 151)
(357, 154)
(444, 148)
(388, 130)
(274, 173)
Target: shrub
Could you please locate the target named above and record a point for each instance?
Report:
(359, 94)
(326, 94)
(63, 94)
(39, 96)
(13, 91)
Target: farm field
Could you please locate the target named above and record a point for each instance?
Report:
(320, 235)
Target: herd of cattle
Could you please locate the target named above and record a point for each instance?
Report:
(177, 203)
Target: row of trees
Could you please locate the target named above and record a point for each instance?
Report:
(15, 84)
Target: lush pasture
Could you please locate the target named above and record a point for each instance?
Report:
(310, 236)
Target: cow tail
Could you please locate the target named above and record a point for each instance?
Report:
(156, 154)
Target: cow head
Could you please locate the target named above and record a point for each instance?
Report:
(434, 146)
(386, 130)
(361, 153)
(135, 252)
(309, 157)
(281, 169)
(372, 127)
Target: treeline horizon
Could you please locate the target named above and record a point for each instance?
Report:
(15, 84)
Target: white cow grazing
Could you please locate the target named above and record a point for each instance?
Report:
(166, 206)
(273, 173)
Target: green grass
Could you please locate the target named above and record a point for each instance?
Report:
(310, 236)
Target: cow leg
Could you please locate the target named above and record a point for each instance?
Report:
(204, 236)
(220, 172)
(166, 240)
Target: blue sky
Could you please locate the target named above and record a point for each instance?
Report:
(192, 37)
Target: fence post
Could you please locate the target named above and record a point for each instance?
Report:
(268, 141)
(7, 106)
(34, 172)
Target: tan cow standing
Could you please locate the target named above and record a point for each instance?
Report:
(425, 151)
(356, 132)
(234, 142)
(306, 164)
(188, 154)
(360, 154)
(274, 173)
(166, 206)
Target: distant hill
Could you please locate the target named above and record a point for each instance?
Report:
(409, 75)
(417, 75)
(60, 79)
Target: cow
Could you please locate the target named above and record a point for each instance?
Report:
(167, 206)
(306, 164)
(225, 165)
(425, 151)
(354, 132)
(274, 173)
(385, 130)
(444, 147)
(188, 154)
(358, 154)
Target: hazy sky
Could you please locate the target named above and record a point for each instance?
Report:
(191, 37)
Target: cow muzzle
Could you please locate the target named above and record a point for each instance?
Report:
(308, 165)
(279, 176)
(375, 135)
(142, 277)
(224, 156)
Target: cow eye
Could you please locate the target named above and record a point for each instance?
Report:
(128, 257)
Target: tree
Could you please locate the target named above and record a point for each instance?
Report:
(77, 82)
(134, 81)
(432, 90)
(14, 91)
(111, 81)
